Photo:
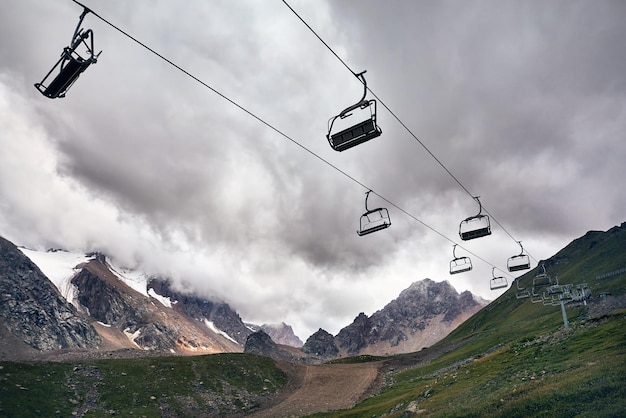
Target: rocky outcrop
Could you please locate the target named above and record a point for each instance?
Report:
(33, 311)
(105, 301)
(358, 335)
(262, 344)
(321, 344)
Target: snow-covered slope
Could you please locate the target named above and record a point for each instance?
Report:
(59, 266)
(89, 283)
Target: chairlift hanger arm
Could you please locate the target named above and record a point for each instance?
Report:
(77, 31)
(361, 103)
(480, 210)
(80, 36)
(367, 195)
(454, 254)
(480, 206)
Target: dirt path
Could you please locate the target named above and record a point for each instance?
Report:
(323, 388)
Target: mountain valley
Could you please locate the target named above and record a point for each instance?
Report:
(513, 357)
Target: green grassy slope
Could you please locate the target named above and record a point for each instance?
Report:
(150, 387)
(518, 360)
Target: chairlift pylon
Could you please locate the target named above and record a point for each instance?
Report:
(71, 64)
(459, 264)
(497, 282)
(373, 220)
(520, 261)
(475, 226)
(360, 132)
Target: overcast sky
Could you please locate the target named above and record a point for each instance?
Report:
(524, 102)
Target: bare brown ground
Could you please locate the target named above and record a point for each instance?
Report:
(322, 388)
(329, 387)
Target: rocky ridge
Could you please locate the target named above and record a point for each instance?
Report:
(420, 316)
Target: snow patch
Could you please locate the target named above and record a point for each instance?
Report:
(216, 330)
(104, 325)
(164, 301)
(132, 336)
(135, 279)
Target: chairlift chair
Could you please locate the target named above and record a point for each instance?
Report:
(71, 64)
(475, 226)
(542, 278)
(497, 282)
(459, 264)
(373, 220)
(518, 262)
(358, 133)
(522, 292)
(536, 298)
(550, 301)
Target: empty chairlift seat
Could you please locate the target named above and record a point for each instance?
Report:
(459, 264)
(519, 262)
(541, 281)
(498, 282)
(522, 292)
(70, 65)
(373, 220)
(356, 134)
(475, 226)
(360, 132)
(542, 278)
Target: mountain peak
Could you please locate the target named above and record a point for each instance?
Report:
(321, 344)
(282, 334)
(421, 315)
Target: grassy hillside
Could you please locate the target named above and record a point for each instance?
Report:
(518, 360)
(579, 372)
(150, 387)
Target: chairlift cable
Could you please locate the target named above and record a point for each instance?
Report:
(321, 40)
(397, 118)
(278, 131)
